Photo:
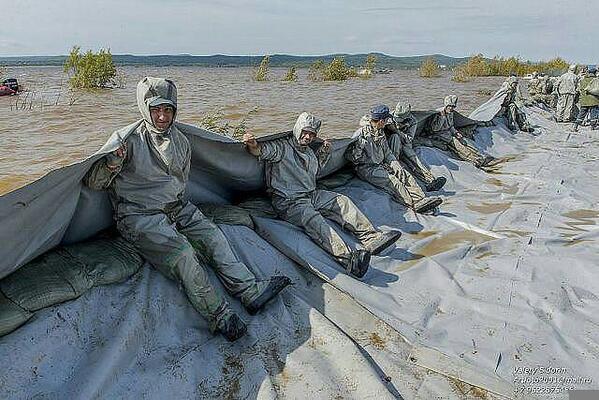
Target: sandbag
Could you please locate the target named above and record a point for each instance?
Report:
(336, 180)
(227, 214)
(258, 207)
(49, 279)
(593, 87)
(106, 261)
(63, 274)
(11, 315)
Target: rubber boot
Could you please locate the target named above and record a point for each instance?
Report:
(276, 284)
(231, 327)
(383, 241)
(436, 184)
(359, 261)
(427, 204)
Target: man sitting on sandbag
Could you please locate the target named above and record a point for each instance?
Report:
(442, 134)
(375, 163)
(291, 170)
(146, 178)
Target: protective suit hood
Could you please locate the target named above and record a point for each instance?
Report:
(402, 110)
(165, 145)
(307, 122)
(451, 100)
(153, 92)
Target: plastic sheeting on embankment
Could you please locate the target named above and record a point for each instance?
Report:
(504, 277)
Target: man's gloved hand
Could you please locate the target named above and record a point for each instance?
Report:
(251, 144)
(116, 159)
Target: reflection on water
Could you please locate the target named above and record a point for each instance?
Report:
(48, 136)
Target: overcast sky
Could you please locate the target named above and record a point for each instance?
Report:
(533, 29)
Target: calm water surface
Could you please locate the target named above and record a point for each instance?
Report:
(58, 127)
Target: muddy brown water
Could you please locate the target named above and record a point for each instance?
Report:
(51, 132)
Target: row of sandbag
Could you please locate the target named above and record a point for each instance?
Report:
(66, 272)
(62, 274)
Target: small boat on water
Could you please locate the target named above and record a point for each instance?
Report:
(9, 87)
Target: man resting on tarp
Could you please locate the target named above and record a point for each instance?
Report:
(401, 131)
(375, 163)
(442, 134)
(146, 178)
(511, 106)
(291, 170)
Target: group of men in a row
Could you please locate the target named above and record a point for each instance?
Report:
(146, 177)
(568, 93)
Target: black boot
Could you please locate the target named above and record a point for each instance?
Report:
(382, 242)
(427, 204)
(575, 127)
(436, 184)
(359, 261)
(232, 327)
(276, 284)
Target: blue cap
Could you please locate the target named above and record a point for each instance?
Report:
(380, 112)
(592, 68)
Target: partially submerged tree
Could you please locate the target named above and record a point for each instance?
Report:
(368, 69)
(291, 75)
(460, 74)
(261, 74)
(215, 121)
(337, 70)
(315, 72)
(90, 70)
(371, 60)
(429, 68)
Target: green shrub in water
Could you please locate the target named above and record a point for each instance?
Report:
(90, 70)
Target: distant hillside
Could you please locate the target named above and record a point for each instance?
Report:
(219, 60)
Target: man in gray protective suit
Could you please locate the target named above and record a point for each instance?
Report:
(511, 107)
(291, 169)
(537, 89)
(442, 134)
(566, 88)
(401, 131)
(375, 163)
(146, 178)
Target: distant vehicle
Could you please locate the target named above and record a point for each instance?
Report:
(9, 87)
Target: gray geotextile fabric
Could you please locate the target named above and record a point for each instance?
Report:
(489, 109)
(504, 277)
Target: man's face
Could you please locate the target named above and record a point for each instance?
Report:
(449, 109)
(306, 137)
(378, 123)
(162, 116)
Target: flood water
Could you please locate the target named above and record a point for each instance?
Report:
(49, 126)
